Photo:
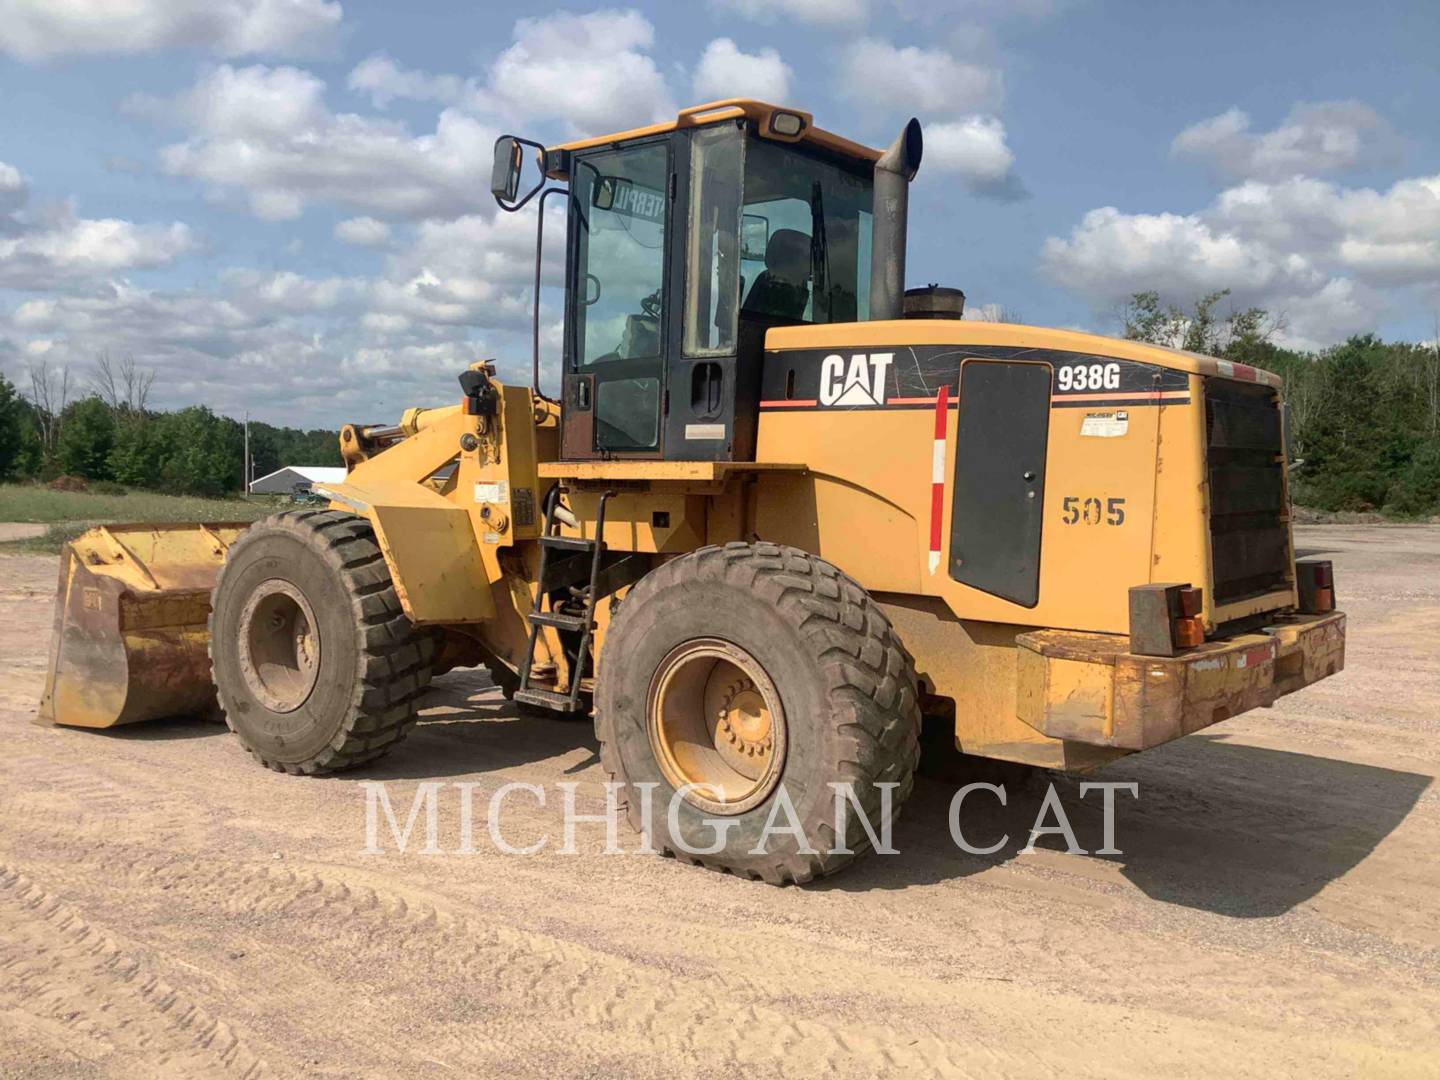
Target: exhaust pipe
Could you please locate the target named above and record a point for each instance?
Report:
(893, 173)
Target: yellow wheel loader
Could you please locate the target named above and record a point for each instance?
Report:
(781, 508)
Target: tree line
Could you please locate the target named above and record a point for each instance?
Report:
(1364, 414)
(108, 433)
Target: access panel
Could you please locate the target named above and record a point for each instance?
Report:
(1001, 432)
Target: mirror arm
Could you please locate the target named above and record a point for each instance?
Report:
(539, 258)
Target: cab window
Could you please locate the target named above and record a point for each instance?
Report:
(776, 234)
(621, 205)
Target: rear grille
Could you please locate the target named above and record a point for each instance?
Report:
(1249, 534)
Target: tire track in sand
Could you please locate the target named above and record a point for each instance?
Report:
(71, 975)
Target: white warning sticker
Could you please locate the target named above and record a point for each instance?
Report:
(497, 494)
(1105, 425)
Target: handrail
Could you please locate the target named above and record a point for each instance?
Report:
(539, 260)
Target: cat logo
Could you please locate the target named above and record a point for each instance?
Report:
(860, 382)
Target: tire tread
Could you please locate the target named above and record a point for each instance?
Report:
(395, 659)
(870, 677)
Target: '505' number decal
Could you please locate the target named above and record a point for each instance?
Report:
(1087, 377)
(1074, 510)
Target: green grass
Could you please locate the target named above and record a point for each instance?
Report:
(70, 513)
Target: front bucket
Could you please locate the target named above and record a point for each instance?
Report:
(131, 639)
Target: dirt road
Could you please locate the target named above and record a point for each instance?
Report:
(169, 908)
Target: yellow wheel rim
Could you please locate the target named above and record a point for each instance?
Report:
(716, 726)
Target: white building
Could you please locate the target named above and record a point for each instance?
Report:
(295, 479)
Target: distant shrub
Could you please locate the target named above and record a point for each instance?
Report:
(1416, 492)
(68, 483)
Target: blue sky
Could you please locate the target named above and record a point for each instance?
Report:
(280, 205)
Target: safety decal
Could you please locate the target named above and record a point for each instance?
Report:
(1105, 425)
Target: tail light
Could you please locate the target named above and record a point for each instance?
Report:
(1165, 619)
(1315, 584)
(1187, 628)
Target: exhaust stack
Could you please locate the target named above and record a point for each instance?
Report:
(893, 173)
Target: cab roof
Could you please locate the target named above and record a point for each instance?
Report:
(714, 112)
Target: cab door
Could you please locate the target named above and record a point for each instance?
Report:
(1002, 433)
(619, 263)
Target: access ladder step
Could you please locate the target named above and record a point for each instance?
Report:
(568, 543)
(544, 699)
(559, 620)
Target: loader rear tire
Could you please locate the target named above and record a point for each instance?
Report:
(797, 680)
(316, 666)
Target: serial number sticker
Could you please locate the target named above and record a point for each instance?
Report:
(497, 494)
(1105, 425)
(704, 431)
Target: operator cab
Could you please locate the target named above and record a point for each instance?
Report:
(687, 241)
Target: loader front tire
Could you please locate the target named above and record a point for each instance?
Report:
(743, 676)
(316, 666)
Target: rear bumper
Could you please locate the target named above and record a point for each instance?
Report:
(1087, 688)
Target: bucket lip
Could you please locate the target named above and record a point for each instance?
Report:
(154, 558)
(163, 526)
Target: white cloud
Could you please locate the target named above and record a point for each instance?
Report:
(974, 149)
(13, 190)
(1331, 258)
(877, 74)
(384, 81)
(1385, 237)
(724, 71)
(929, 11)
(825, 13)
(71, 247)
(962, 135)
(591, 72)
(848, 14)
(1110, 255)
(1315, 138)
(297, 348)
(52, 247)
(292, 349)
(267, 133)
(37, 30)
(473, 270)
(363, 232)
(287, 291)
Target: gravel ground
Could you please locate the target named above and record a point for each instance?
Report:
(168, 908)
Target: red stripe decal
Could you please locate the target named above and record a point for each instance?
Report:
(937, 481)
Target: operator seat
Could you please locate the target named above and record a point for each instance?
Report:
(783, 287)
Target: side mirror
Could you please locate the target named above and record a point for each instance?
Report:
(602, 195)
(505, 173)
